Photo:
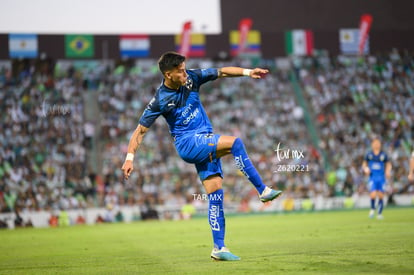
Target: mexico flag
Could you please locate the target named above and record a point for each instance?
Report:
(299, 42)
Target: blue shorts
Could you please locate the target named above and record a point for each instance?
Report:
(200, 149)
(376, 185)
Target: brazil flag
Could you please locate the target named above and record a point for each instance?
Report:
(79, 45)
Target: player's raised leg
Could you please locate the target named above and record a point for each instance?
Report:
(232, 145)
(213, 187)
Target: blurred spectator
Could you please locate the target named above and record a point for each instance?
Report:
(64, 219)
(18, 220)
(99, 219)
(148, 211)
(119, 217)
(288, 203)
(3, 224)
(80, 219)
(89, 131)
(244, 205)
(109, 215)
(53, 221)
(188, 209)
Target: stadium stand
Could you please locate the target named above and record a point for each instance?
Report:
(45, 161)
(355, 99)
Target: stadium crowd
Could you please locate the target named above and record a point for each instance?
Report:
(43, 163)
(355, 99)
(42, 155)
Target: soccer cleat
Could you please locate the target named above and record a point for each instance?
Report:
(380, 217)
(223, 254)
(269, 194)
(371, 213)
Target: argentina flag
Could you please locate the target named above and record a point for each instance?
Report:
(23, 45)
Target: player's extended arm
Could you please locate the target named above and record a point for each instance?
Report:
(237, 71)
(134, 143)
(411, 171)
(388, 167)
(365, 168)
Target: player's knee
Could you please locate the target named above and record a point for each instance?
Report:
(212, 184)
(373, 194)
(380, 195)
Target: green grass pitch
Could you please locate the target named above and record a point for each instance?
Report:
(336, 242)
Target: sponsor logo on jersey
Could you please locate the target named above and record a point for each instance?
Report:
(189, 83)
(376, 166)
(214, 213)
(187, 110)
(188, 114)
(191, 116)
(238, 160)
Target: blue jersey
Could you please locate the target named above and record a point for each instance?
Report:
(376, 164)
(181, 108)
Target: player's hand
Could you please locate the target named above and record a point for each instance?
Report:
(411, 177)
(367, 171)
(388, 175)
(127, 167)
(258, 73)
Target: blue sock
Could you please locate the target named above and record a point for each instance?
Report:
(245, 165)
(380, 206)
(216, 217)
(373, 204)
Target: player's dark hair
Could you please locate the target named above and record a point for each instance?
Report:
(169, 61)
(375, 137)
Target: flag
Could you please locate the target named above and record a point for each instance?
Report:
(185, 40)
(349, 41)
(23, 45)
(244, 27)
(299, 42)
(134, 46)
(197, 45)
(252, 46)
(79, 46)
(364, 26)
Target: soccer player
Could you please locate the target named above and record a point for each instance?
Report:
(178, 101)
(378, 167)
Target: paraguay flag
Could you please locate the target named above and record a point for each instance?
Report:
(134, 46)
(23, 45)
(252, 47)
(197, 46)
